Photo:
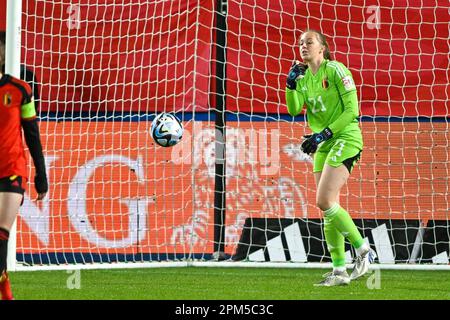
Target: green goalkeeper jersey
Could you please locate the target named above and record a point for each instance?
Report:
(331, 101)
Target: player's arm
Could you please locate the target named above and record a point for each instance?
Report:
(33, 140)
(294, 99)
(347, 91)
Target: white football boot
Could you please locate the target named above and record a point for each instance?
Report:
(362, 263)
(334, 278)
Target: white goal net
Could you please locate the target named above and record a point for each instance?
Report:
(105, 68)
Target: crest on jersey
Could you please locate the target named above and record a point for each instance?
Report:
(7, 99)
(325, 83)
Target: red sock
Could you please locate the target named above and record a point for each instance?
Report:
(5, 287)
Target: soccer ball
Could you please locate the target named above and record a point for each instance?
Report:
(166, 130)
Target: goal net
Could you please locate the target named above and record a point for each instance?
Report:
(104, 69)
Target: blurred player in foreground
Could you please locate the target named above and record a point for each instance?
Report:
(17, 113)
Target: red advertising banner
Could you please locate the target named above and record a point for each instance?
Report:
(132, 56)
(397, 52)
(112, 190)
(148, 55)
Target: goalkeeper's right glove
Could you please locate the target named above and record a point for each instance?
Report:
(296, 72)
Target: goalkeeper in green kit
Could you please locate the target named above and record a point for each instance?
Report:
(327, 89)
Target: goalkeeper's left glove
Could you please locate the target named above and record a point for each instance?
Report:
(312, 141)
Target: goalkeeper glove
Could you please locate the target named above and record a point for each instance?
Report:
(296, 72)
(312, 141)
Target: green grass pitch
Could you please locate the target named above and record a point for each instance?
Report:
(204, 283)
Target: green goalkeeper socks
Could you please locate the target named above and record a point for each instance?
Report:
(343, 223)
(335, 243)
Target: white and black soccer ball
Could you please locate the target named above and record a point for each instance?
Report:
(166, 130)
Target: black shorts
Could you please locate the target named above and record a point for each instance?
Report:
(350, 162)
(12, 184)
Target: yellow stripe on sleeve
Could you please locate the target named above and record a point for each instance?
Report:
(28, 111)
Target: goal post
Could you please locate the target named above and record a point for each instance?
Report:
(220, 176)
(12, 67)
(116, 199)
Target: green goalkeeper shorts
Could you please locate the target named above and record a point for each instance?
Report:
(340, 152)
